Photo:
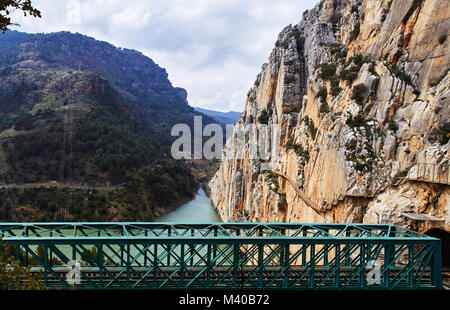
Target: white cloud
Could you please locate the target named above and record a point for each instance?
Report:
(213, 48)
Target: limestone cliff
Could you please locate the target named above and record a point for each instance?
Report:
(360, 93)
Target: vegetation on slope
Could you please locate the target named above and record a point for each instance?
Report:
(88, 117)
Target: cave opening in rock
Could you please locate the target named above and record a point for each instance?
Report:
(445, 237)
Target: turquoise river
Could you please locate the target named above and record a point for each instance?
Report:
(198, 210)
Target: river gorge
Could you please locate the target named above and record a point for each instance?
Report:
(198, 210)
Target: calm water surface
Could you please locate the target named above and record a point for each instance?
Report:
(199, 210)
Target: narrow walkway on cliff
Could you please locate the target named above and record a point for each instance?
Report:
(301, 193)
(424, 172)
(430, 173)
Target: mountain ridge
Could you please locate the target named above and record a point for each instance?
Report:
(224, 118)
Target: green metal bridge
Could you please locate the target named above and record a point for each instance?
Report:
(226, 256)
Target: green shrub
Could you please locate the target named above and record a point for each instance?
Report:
(359, 60)
(324, 108)
(354, 122)
(272, 179)
(403, 174)
(355, 32)
(298, 149)
(338, 51)
(264, 117)
(327, 71)
(312, 130)
(393, 126)
(358, 93)
(402, 75)
(310, 124)
(359, 166)
(350, 74)
(335, 90)
(322, 94)
(288, 62)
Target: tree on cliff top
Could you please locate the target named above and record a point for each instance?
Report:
(9, 6)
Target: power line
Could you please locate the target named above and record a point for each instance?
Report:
(7, 180)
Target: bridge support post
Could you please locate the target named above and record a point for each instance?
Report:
(436, 264)
(410, 265)
(100, 264)
(182, 266)
(260, 264)
(235, 264)
(348, 259)
(363, 264)
(215, 246)
(337, 279)
(128, 266)
(304, 247)
(389, 253)
(155, 266)
(326, 249)
(312, 263)
(45, 266)
(286, 266)
(209, 266)
(27, 263)
(192, 247)
(18, 254)
(146, 247)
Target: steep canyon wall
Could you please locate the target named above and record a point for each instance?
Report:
(359, 91)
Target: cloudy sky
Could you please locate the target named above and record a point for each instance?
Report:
(212, 48)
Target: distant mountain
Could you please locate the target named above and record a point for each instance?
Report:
(221, 117)
(140, 82)
(77, 110)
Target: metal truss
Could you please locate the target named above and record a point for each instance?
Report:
(227, 256)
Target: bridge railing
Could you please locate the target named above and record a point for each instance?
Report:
(236, 256)
(430, 172)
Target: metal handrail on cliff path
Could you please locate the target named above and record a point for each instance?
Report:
(426, 172)
(432, 177)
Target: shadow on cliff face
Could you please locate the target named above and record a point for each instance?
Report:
(445, 237)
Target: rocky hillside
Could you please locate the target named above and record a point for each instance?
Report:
(360, 91)
(74, 110)
(142, 84)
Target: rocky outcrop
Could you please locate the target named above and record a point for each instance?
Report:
(359, 93)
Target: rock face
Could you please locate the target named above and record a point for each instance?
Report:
(359, 91)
